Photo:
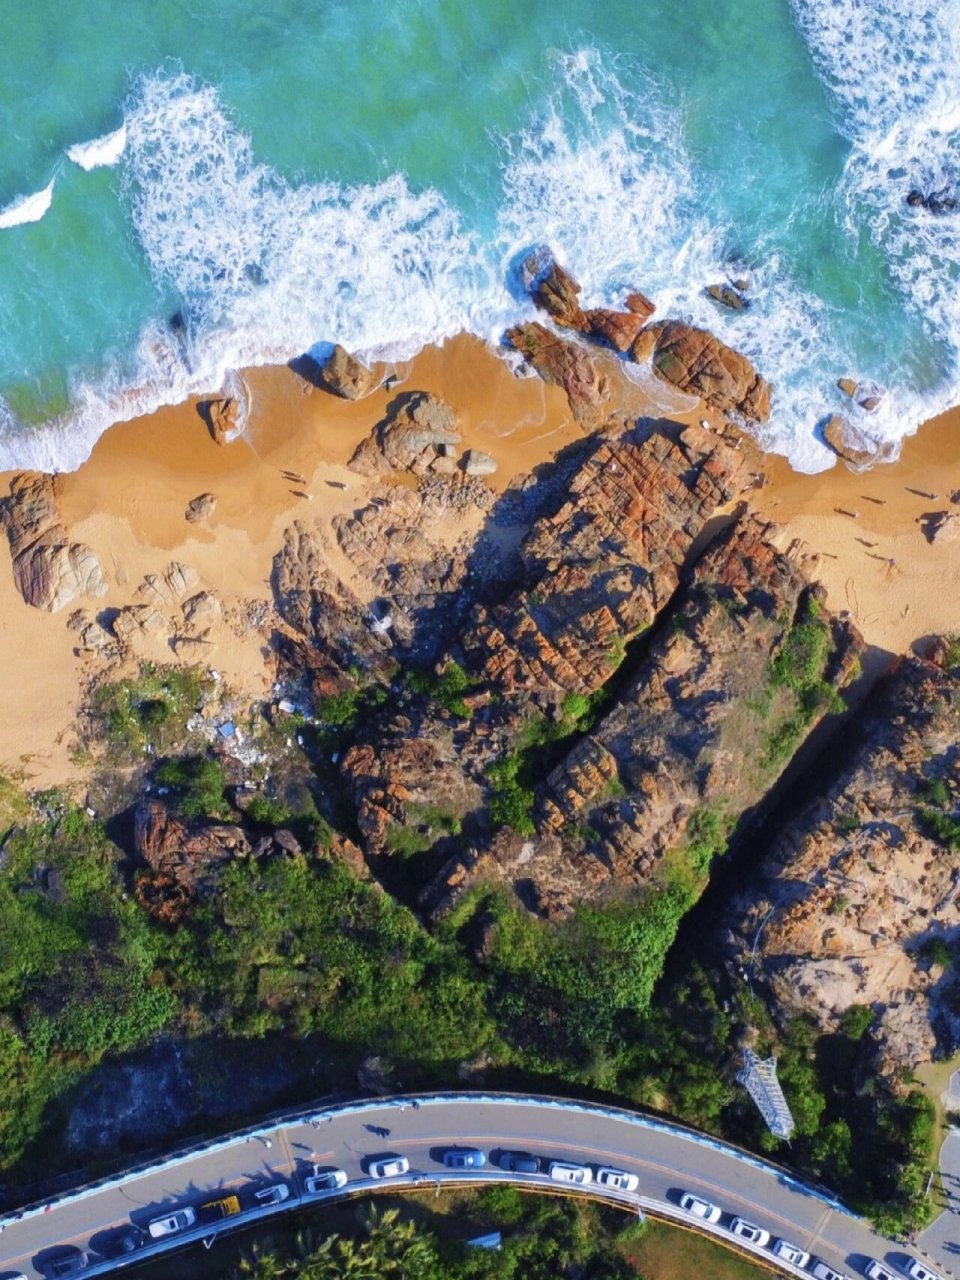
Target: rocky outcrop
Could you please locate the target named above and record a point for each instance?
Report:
(404, 780)
(941, 201)
(859, 885)
(693, 740)
(696, 362)
(419, 429)
(600, 568)
(49, 570)
(312, 600)
(346, 377)
(856, 449)
(568, 365)
(183, 859)
(555, 291)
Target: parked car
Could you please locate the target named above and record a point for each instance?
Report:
(750, 1231)
(171, 1223)
(877, 1271)
(699, 1208)
(223, 1207)
(389, 1167)
(328, 1180)
(69, 1264)
(519, 1162)
(272, 1195)
(617, 1179)
(128, 1240)
(917, 1271)
(464, 1158)
(576, 1174)
(820, 1271)
(788, 1252)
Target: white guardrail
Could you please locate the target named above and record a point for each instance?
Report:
(317, 1116)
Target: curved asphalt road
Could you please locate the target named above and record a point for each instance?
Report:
(667, 1161)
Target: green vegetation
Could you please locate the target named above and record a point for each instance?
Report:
(539, 745)
(937, 951)
(446, 690)
(799, 667)
(78, 968)
(951, 658)
(543, 1239)
(939, 825)
(426, 824)
(198, 784)
(152, 709)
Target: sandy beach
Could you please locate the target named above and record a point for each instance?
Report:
(128, 503)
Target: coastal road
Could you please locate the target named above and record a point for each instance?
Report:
(666, 1159)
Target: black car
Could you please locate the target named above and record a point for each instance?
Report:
(519, 1162)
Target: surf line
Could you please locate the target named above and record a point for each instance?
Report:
(30, 208)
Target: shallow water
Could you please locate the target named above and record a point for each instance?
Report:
(366, 173)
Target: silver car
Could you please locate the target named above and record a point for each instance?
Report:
(171, 1223)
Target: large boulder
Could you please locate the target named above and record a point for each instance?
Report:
(695, 361)
(856, 449)
(345, 376)
(49, 570)
(564, 364)
(419, 428)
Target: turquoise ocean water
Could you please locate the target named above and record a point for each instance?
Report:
(366, 171)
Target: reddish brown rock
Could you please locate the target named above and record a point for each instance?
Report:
(640, 304)
(619, 328)
(183, 858)
(557, 293)
(697, 362)
(568, 365)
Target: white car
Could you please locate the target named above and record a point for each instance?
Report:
(617, 1180)
(699, 1208)
(788, 1252)
(877, 1271)
(171, 1223)
(821, 1271)
(577, 1174)
(329, 1180)
(750, 1231)
(917, 1271)
(389, 1167)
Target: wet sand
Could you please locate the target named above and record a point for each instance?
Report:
(128, 501)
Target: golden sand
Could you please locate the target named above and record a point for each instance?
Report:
(128, 501)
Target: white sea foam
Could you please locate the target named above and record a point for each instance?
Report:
(99, 152)
(894, 69)
(27, 208)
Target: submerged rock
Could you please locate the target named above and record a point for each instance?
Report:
(728, 296)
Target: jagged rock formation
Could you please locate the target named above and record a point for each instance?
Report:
(568, 365)
(600, 568)
(697, 362)
(346, 377)
(419, 429)
(858, 883)
(49, 570)
(182, 858)
(693, 732)
(555, 291)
